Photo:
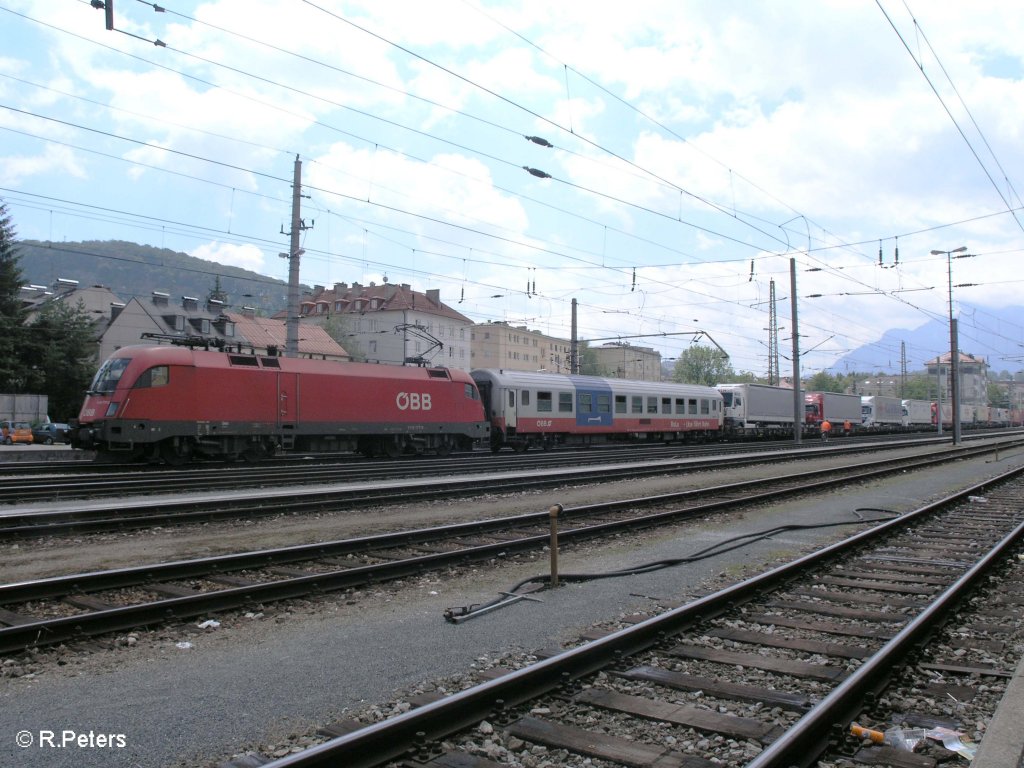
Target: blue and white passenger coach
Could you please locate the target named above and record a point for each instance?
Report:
(543, 409)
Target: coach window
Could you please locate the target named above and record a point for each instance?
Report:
(604, 404)
(586, 402)
(680, 406)
(524, 397)
(692, 406)
(704, 407)
(565, 402)
(666, 405)
(637, 405)
(157, 376)
(543, 402)
(652, 405)
(511, 398)
(620, 403)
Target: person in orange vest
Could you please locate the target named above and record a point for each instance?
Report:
(826, 429)
(847, 428)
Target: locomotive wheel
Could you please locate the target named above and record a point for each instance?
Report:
(520, 447)
(392, 446)
(443, 446)
(175, 455)
(255, 452)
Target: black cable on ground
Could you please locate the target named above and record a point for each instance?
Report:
(727, 545)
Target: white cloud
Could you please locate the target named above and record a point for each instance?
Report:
(245, 256)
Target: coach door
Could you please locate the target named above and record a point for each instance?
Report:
(510, 408)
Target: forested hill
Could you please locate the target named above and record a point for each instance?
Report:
(130, 269)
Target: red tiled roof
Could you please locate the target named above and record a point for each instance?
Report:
(265, 332)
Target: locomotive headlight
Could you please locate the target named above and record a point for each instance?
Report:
(111, 409)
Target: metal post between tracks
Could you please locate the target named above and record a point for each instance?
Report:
(553, 513)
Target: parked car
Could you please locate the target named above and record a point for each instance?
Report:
(51, 433)
(16, 432)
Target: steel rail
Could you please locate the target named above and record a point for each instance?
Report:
(48, 631)
(801, 744)
(92, 481)
(396, 737)
(144, 512)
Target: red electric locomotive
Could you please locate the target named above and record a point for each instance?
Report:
(173, 403)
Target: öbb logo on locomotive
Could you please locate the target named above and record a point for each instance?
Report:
(413, 401)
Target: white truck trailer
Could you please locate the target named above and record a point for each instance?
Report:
(917, 414)
(881, 413)
(757, 410)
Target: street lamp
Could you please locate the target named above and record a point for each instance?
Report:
(954, 353)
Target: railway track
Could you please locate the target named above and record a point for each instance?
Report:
(770, 672)
(65, 608)
(22, 483)
(140, 513)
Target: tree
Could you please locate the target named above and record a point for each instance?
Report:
(337, 327)
(823, 381)
(920, 387)
(12, 315)
(60, 356)
(998, 396)
(702, 365)
(588, 360)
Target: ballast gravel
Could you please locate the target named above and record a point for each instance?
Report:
(264, 680)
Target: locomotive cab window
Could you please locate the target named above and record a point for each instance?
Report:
(157, 376)
(106, 378)
(543, 402)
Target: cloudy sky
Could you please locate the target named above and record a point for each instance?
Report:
(686, 154)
